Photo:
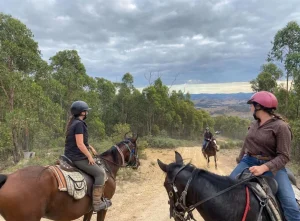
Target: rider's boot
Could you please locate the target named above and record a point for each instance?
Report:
(98, 203)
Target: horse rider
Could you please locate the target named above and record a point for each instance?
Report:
(207, 138)
(266, 150)
(77, 150)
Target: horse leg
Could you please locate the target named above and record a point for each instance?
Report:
(101, 215)
(207, 161)
(216, 166)
(88, 216)
(204, 154)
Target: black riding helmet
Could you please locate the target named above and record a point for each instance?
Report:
(79, 106)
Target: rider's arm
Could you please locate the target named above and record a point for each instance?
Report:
(79, 140)
(242, 152)
(81, 146)
(93, 149)
(283, 140)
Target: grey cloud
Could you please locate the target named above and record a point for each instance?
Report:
(207, 41)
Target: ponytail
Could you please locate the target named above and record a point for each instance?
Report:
(69, 124)
(277, 116)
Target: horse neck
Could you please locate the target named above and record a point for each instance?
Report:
(204, 187)
(114, 165)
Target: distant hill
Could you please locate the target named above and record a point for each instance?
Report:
(236, 96)
(219, 104)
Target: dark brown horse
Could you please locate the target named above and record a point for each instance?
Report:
(211, 150)
(32, 192)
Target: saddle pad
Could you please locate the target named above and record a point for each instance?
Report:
(73, 182)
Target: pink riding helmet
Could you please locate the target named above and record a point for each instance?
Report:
(265, 99)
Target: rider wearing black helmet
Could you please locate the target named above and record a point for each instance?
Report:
(76, 149)
(207, 137)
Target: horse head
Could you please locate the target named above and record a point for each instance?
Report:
(129, 151)
(175, 171)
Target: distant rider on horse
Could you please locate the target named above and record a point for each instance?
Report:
(207, 138)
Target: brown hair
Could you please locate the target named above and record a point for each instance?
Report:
(69, 124)
(272, 112)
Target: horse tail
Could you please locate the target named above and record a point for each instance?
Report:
(3, 179)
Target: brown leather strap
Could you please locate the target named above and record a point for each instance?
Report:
(260, 157)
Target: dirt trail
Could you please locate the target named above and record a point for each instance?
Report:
(144, 198)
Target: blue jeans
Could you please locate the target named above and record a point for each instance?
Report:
(285, 192)
(204, 144)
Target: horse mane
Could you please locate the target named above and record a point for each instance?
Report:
(113, 150)
(221, 182)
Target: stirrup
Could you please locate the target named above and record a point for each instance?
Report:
(107, 203)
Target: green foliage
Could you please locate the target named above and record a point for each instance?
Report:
(230, 144)
(166, 142)
(20, 96)
(286, 49)
(119, 132)
(155, 130)
(233, 127)
(35, 98)
(266, 80)
(295, 125)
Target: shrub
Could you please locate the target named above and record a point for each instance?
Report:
(166, 142)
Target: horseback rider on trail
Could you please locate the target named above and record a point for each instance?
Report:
(266, 150)
(207, 138)
(77, 149)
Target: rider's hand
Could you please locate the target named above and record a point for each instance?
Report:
(91, 160)
(93, 150)
(258, 170)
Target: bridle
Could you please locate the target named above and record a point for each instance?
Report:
(177, 200)
(133, 154)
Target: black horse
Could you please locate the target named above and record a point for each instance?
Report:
(197, 185)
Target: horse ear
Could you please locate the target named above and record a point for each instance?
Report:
(178, 158)
(125, 136)
(135, 137)
(162, 166)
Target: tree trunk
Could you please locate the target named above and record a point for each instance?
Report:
(17, 149)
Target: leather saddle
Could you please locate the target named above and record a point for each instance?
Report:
(270, 181)
(265, 189)
(67, 165)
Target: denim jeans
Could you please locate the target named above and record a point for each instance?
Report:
(204, 144)
(285, 192)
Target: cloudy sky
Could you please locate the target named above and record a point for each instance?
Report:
(205, 41)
